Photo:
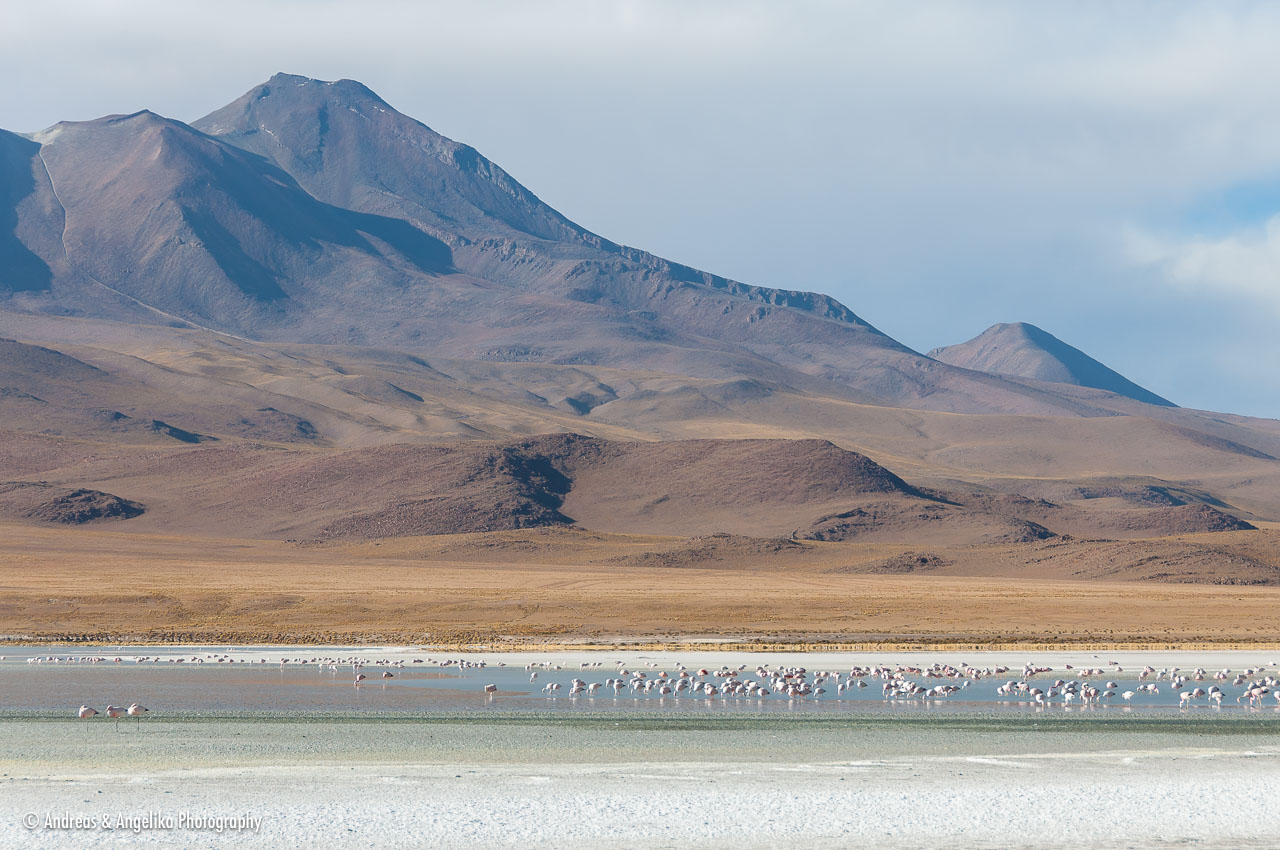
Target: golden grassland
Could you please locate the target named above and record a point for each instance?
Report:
(552, 590)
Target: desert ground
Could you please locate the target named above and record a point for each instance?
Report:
(539, 587)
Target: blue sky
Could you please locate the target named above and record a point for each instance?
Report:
(1108, 171)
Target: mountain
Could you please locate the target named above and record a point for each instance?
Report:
(1026, 351)
(313, 212)
(308, 316)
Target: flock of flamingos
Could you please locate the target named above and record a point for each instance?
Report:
(1035, 686)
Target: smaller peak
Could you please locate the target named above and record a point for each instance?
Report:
(1017, 333)
(1004, 327)
(145, 115)
(142, 116)
(1023, 350)
(146, 121)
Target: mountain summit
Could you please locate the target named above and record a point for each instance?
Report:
(1026, 351)
(350, 148)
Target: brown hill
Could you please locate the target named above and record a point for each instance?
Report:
(804, 489)
(718, 551)
(389, 491)
(44, 503)
(936, 522)
(110, 384)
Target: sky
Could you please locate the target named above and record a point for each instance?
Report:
(1107, 171)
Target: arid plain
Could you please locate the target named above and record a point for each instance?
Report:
(540, 587)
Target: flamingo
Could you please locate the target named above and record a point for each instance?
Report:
(114, 712)
(86, 713)
(135, 710)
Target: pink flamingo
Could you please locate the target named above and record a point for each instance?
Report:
(135, 710)
(114, 712)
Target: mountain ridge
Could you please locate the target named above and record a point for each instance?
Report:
(313, 212)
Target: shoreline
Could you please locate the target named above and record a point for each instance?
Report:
(664, 646)
(667, 655)
(1152, 719)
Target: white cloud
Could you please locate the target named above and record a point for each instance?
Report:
(1245, 264)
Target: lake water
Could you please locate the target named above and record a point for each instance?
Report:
(308, 759)
(197, 681)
